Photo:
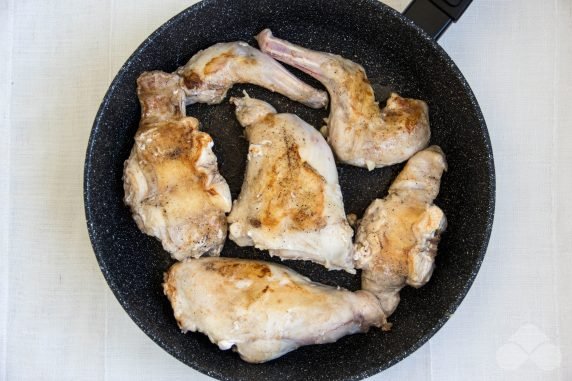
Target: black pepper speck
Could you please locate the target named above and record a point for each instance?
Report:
(395, 53)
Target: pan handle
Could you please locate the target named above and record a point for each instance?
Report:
(435, 16)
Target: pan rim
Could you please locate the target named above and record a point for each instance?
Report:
(198, 365)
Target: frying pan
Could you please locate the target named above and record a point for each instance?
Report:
(395, 53)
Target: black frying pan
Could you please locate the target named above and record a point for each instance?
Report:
(395, 53)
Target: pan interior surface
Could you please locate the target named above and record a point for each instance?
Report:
(394, 53)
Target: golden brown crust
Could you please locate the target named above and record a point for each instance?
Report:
(192, 80)
(397, 239)
(179, 144)
(359, 132)
(289, 172)
(235, 270)
(171, 179)
(285, 289)
(409, 113)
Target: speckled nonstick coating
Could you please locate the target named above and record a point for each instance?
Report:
(394, 52)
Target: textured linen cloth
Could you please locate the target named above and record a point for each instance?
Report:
(60, 321)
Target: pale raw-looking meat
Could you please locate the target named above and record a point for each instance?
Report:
(290, 203)
(359, 131)
(396, 241)
(171, 178)
(263, 310)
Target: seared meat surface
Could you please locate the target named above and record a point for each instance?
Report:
(290, 203)
(264, 310)
(396, 241)
(171, 178)
(210, 73)
(359, 131)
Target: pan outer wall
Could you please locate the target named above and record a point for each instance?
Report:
(394, 52)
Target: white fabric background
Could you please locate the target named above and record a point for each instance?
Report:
(58, 318)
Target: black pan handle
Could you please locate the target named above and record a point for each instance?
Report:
(435, 16)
